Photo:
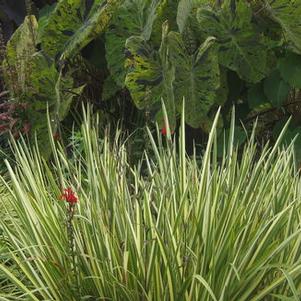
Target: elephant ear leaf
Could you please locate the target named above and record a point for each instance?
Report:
(287, 13)
(18, 54)
(125, 24)
(185, 9)
(74, 23)
(144, 77)
(150, 76)
(34, 80)
(242, 48)
(197, 77)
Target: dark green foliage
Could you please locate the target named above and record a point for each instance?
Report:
(290, 69)
(142, 52)
(276, 89)
(242, 48)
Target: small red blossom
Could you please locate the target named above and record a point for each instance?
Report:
(69, 196)
(164, 131)
(56, 136)
(26, 128)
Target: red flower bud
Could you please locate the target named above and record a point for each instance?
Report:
(164, 131)
(68, 195)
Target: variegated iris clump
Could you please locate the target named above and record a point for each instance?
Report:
(170, 228)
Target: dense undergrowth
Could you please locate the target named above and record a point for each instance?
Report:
(124, 56)
(170, 228)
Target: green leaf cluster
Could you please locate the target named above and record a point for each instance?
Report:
(210, 53)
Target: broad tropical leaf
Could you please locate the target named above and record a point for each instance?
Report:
(44, 14)
(287, 13)
(74, 23)
(18, 52)
(290, 69)
(33, 79)
(276, 89)
(185, 9)
(242, 48)
(133, 18)
(173, 74)
(150, 76)
(197, 77)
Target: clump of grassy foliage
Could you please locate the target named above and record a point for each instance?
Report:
(167, 229)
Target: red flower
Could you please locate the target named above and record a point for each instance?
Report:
(69, 196)
(56, 136)
(164, 131)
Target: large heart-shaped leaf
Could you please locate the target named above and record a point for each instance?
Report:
(185, 9)
(150, 76)
(276, 89)
(287, 13)
(172, 74)
(74, 23)
(242, 48)
(18, 52)
(144, 78)
(290, 69)
(133, 18)
(197, 77)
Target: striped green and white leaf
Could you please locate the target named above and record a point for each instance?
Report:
(242, 48)
(74, 23)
